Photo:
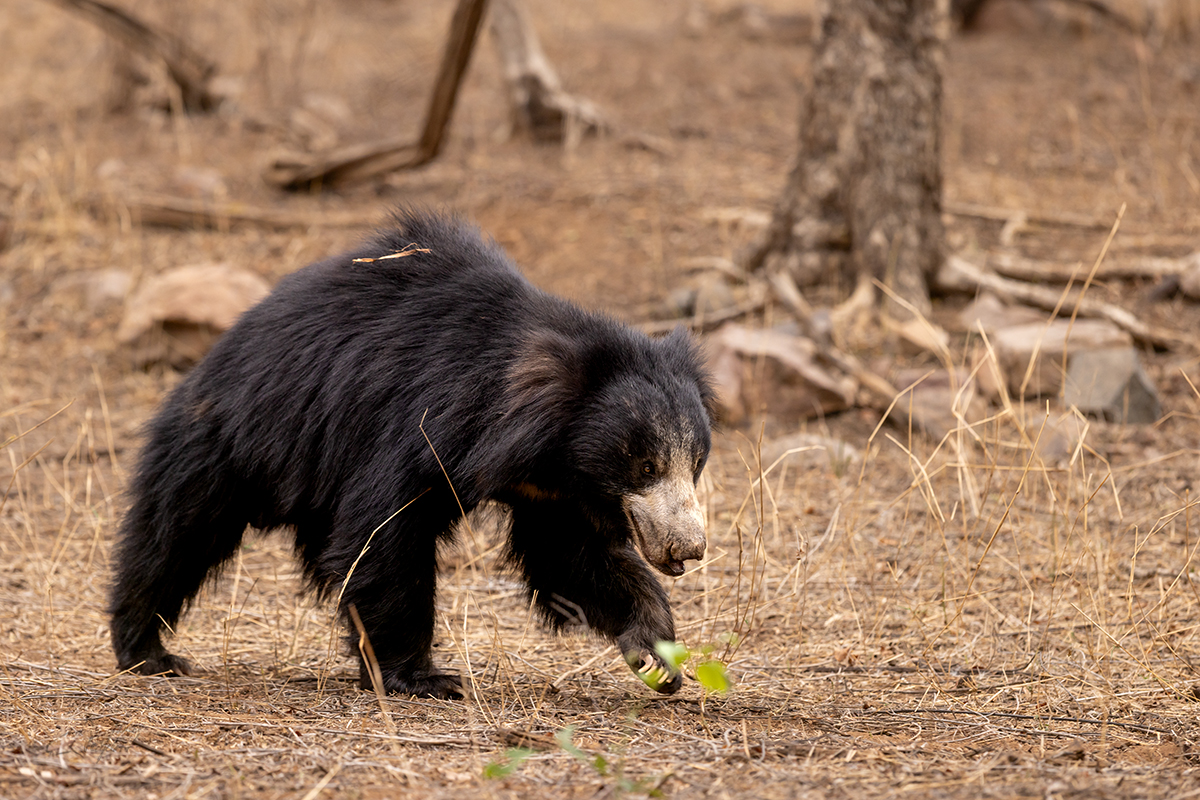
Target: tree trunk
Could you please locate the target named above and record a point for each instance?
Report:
(864, 196)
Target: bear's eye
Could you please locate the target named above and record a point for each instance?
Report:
(648, 468)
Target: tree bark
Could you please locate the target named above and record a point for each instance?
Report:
(864, 195)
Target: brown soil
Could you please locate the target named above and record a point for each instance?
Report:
(913, 617)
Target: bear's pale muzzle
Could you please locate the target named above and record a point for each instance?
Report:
(668, 523)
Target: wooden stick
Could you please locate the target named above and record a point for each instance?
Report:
(958, 274)
(464, 31)
(364, 161)
(1029, 269)
(177, 212)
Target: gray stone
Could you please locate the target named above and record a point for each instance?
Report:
(1111, 383)
(175, 317)
(1043, 345)
(713, 296)
(941, 402)
(1056, 435)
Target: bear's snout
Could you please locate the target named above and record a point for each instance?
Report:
(668, 524)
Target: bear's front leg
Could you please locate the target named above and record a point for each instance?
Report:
(586, 578)
(649, 623)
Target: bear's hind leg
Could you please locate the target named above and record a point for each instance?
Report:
(160, 566)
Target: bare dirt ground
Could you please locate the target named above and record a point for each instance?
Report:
(914, 618)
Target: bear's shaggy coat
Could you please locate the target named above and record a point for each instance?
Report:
(423, 371)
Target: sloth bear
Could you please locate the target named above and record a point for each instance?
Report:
(371, 401)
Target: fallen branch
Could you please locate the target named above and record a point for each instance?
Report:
(176, 212)
(364, 161)
(707, 322)
(959, 275)
(187, 69)
(1028, 269)
(1040, 217)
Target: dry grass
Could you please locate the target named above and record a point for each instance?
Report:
(954, 618)
(888, 635)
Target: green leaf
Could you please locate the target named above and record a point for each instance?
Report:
(673, 653)
(514, 758)
(712, 676)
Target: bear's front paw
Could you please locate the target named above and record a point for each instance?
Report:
(440, 686)
(654, 672)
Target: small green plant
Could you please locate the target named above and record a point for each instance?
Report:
(512, 760)
(624, 785)
(511, 763)
(710, 671)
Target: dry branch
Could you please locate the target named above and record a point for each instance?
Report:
(364, 161)
(1040, 217)
(538, 102)
(959, 275)
(188, 69)
(176, 212)
(1029, 269)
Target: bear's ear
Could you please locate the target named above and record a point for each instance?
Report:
(542, 389)
(686, 357)
(546, 377)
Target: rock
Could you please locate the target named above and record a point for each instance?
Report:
(1111, 384)
(110, 169)
(713, 296)
(175, 317)
(680, 303)
(1189, 276)
(773, 372)
(706, 295)
(809, 451)
(1017, 346)
(202, 182)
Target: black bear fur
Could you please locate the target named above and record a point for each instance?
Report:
(439, 378)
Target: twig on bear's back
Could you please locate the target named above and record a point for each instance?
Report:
(408, 250)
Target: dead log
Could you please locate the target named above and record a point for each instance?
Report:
(364, 161)
(189, 70)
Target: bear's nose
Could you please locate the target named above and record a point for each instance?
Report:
(691, 550)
